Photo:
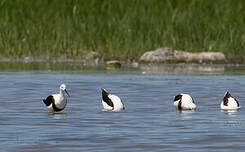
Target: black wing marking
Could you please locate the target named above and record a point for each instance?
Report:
(225, 99)
(49, 100)
(237, 103)
(180, 104)
(192, 99)
(105, 98)
(178, 97)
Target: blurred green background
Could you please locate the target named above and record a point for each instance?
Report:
(119, 29)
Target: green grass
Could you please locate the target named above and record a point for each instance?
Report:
(119, 29)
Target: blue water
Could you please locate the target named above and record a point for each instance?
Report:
(149, 122)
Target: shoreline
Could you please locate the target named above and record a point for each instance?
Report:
(230, 61)
(145, 68)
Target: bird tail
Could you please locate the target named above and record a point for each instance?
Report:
(48, 101)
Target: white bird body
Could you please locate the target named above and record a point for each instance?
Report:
(229, 103)
(184, 102)
(106, 106)
(111, 102)
(57, 102)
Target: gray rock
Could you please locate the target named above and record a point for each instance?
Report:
(162, 55)
(113, 64)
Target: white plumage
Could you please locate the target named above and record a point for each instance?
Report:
(111, 102)
(229, 102)
(57, 102)
(184, 102)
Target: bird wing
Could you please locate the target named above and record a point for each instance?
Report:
(225, 99)
(178, 97)
(49, 100)
(106, 99)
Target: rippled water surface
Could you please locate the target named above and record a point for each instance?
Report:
(149, 122)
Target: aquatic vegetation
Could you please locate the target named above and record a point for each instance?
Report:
(119, 29)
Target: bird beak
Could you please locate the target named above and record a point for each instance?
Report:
(67, 93)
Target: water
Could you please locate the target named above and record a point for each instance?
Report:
(149, 123)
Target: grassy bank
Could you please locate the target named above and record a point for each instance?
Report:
(119, 29)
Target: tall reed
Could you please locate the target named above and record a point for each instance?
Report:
(119, 29)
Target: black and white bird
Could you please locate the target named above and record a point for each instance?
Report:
(57, 102)
(229, 103)
(184, 102)
(111, 102)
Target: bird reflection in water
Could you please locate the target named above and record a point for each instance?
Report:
(229, 112)
(58, 115)
(186, 114)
